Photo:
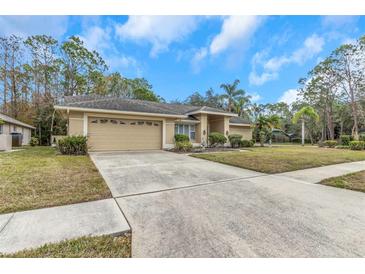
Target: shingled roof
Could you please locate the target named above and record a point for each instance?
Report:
(239, 120)
(13, 121)
(122, 104)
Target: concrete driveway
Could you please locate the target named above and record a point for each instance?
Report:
(131, 173)
(178, 206)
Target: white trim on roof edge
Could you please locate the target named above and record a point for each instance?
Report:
(98, 110)
(239, 125)
(212, 112)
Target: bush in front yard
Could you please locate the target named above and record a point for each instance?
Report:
(217, 138)
(184, 146)
(345, 140)
(34, 141)
(73, 145)
(362, 137)
(246, 143)
(357, 145)
(235, 140)
(181, 138)
(330, 143)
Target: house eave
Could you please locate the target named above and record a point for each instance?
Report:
(213, 113)
(111, 111)
(239, 125)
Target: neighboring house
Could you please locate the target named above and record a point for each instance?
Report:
(112, 123)
(12, 129)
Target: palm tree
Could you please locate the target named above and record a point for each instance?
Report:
(265, 126)
(305, 114)
(242, 104)
(231, 93)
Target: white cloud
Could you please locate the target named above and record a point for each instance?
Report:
(260, 79)
(159, 31)
(255, 97)
(235, 35)
(24, 26)
(97, 38)
(101, 40)
(311, 47)
(289, 96)
(336, 21)
(235, 31)
(198, 56)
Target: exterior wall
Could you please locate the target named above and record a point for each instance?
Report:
(26, 136)
(245, 131)
(170, 131)
(10, 128)
(6, 128)
(216, 126)
(202, 129)
(226, 126)
(5, 142)
(76, 123)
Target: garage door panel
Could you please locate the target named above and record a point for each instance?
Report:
(130, 135)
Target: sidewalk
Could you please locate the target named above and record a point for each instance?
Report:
(317, 174)
(33, 228)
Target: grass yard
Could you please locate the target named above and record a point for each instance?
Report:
(283, 158)
(353, 181)
(38, 177)
(85, 247)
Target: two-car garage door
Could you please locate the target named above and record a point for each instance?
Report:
(123, 134)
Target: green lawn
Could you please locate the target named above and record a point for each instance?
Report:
(38, 177)
(353, 181)
(85, 247)
(283, 158)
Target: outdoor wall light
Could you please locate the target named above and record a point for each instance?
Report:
(204, 132)
(227, 132)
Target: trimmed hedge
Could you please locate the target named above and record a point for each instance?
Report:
(73, 145)
(330, 143)
(217, 138)
(345, 140)
(235, 140)
(183, 146)
(357, 145)
(181, 138)
(246, 143)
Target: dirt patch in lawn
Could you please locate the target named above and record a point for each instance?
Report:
(284, 158)
(39, 177)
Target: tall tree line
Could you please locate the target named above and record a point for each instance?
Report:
(334, 88)
(37, 70)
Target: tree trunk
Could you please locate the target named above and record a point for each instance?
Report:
(5, 76)
(303, 132)
(330, 125)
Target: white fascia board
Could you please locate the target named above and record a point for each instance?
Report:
(240, 125)
(110, 111)
(213, 113)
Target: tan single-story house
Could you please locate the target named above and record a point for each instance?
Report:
(13, 132)
(113, 123)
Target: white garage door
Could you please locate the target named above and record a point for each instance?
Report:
(123, 134)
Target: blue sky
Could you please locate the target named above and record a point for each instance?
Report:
(183, 54)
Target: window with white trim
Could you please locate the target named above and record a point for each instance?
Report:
(188, 130)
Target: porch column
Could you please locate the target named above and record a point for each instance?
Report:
(202, 129)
